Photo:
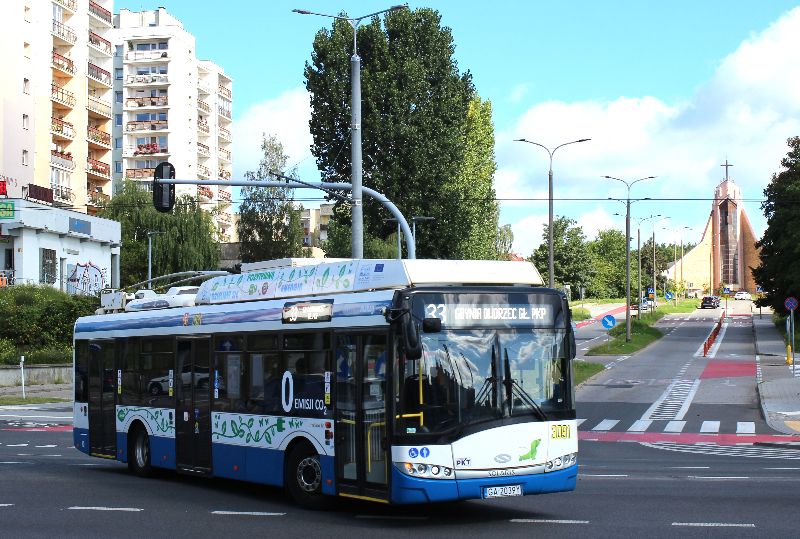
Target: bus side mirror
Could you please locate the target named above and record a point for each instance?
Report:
(411, 340)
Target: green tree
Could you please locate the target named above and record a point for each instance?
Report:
(607, 253)
(427, 136)
(187, 240)
(339, 243)
(572, 262)
(504, 243)
(778, 273)
(269, 225)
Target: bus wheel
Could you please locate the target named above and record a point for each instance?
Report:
(304, 476)
(139, 453)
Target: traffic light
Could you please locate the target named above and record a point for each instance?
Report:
(164, 193)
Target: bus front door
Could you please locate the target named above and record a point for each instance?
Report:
(102, 399)
(362, 463)
(193, 406)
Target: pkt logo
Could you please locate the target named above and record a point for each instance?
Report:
(463, 462)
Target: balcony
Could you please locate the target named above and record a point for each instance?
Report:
(62, 160)
(224, 174)
(71, 5)
(140, 173)
(203, 87)
(100, 75)
(225, 92)
(100, 13)
(224, 217)
(224, 196)
(64, 33)
(93, 198)
(99, 137)
(146, 55)
(153, 125)
(205, 107)
(225, 112)
(62, 63)
(203, 128)
(62, 194)
(99, 43)
(204, 192)
(203, 171)
(62, 96)
(61, 129)
(225, 134)
(203, 149)
(136, 80)
(146, 149)
(37, 192)
(224, 154)
(99, 107)
(98, 168)
(141, 102)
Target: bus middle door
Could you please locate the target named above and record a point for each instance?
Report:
(193, 406)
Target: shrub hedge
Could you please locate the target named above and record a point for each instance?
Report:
(37, 321)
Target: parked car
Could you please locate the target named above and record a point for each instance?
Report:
(742, 294)
(709, 302)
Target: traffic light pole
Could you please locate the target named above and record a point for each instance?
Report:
(298, 184)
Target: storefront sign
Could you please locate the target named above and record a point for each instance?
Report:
(7, 210)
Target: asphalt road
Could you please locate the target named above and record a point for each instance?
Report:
(672, 445)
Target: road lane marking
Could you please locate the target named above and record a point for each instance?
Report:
(717, 477)
(6, 504)
(640, 425)
(14, 462)
(128, 509)
(48, 445)
(546, 521)
(675, 426)
(714, 524)
(691, 467)
(745, 427)
(249, 513)
(606, 424)
(709, 427)
(16, 445)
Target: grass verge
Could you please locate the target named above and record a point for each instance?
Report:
(579, 313)
(584, 370)
(11, 401)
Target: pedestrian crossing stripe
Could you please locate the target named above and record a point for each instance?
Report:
(675, 426)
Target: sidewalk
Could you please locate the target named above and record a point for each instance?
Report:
(778, 388)
(54, 391)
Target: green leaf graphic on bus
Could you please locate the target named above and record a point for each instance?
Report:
(157, 419)
(530, 455)
(251, 429)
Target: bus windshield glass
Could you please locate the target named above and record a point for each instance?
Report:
(509, 365)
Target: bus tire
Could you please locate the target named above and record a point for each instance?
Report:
(303, 476)
(139, 452)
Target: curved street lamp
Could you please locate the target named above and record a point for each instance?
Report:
(628, 251)
(550, 201)
(355, 124)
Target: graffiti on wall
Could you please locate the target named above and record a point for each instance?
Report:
(86, 278)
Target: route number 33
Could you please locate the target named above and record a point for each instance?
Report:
(435, 310)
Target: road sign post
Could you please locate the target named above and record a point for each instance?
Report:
(608, 322)
(791, 304)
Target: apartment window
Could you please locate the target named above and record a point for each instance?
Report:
(118, 97)
(58, 13)
(118, 167)
(26, 86)
(162, 45)
(118, 50)
(117, 73)
(118, 119)
(25, 158)
(26, 120)
(118, 143)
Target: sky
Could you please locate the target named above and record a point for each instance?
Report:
(668, 89)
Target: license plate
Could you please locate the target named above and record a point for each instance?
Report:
(502, 492)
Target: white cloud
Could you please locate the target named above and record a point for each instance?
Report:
(528, 233)
(744, 113)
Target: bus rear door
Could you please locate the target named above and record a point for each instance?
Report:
(102, 399)
(362, 463)
(193, 406)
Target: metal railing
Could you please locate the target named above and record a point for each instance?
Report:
(99, 106)
(100, 12)
(99, 74)
(98, 136)
(161, 101)
(63, 63)
(94, 166)
(100, 43)
(57, 93)
(64, 32)
(223, 91)
(60, 127)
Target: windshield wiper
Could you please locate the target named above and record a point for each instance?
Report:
(512, 385)
(489, 386)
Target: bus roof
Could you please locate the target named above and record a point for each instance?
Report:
(355, 275)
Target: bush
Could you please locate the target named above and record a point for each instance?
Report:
(8, 352)
(54, 355)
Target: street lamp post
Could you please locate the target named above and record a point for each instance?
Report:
(639, 221)
(355, 125)
(150, 234)
(414, 220)
(550, 264)
(627, 252)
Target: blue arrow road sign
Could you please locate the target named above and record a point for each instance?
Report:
(726, 290)
(650, 291)
(669, 295)
(790, 303)
(609, 321)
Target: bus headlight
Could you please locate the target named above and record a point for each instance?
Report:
(559, 463)
(424, 470)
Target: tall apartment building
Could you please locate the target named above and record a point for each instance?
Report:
(170, 106)
(315, 223)
(55, 106)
